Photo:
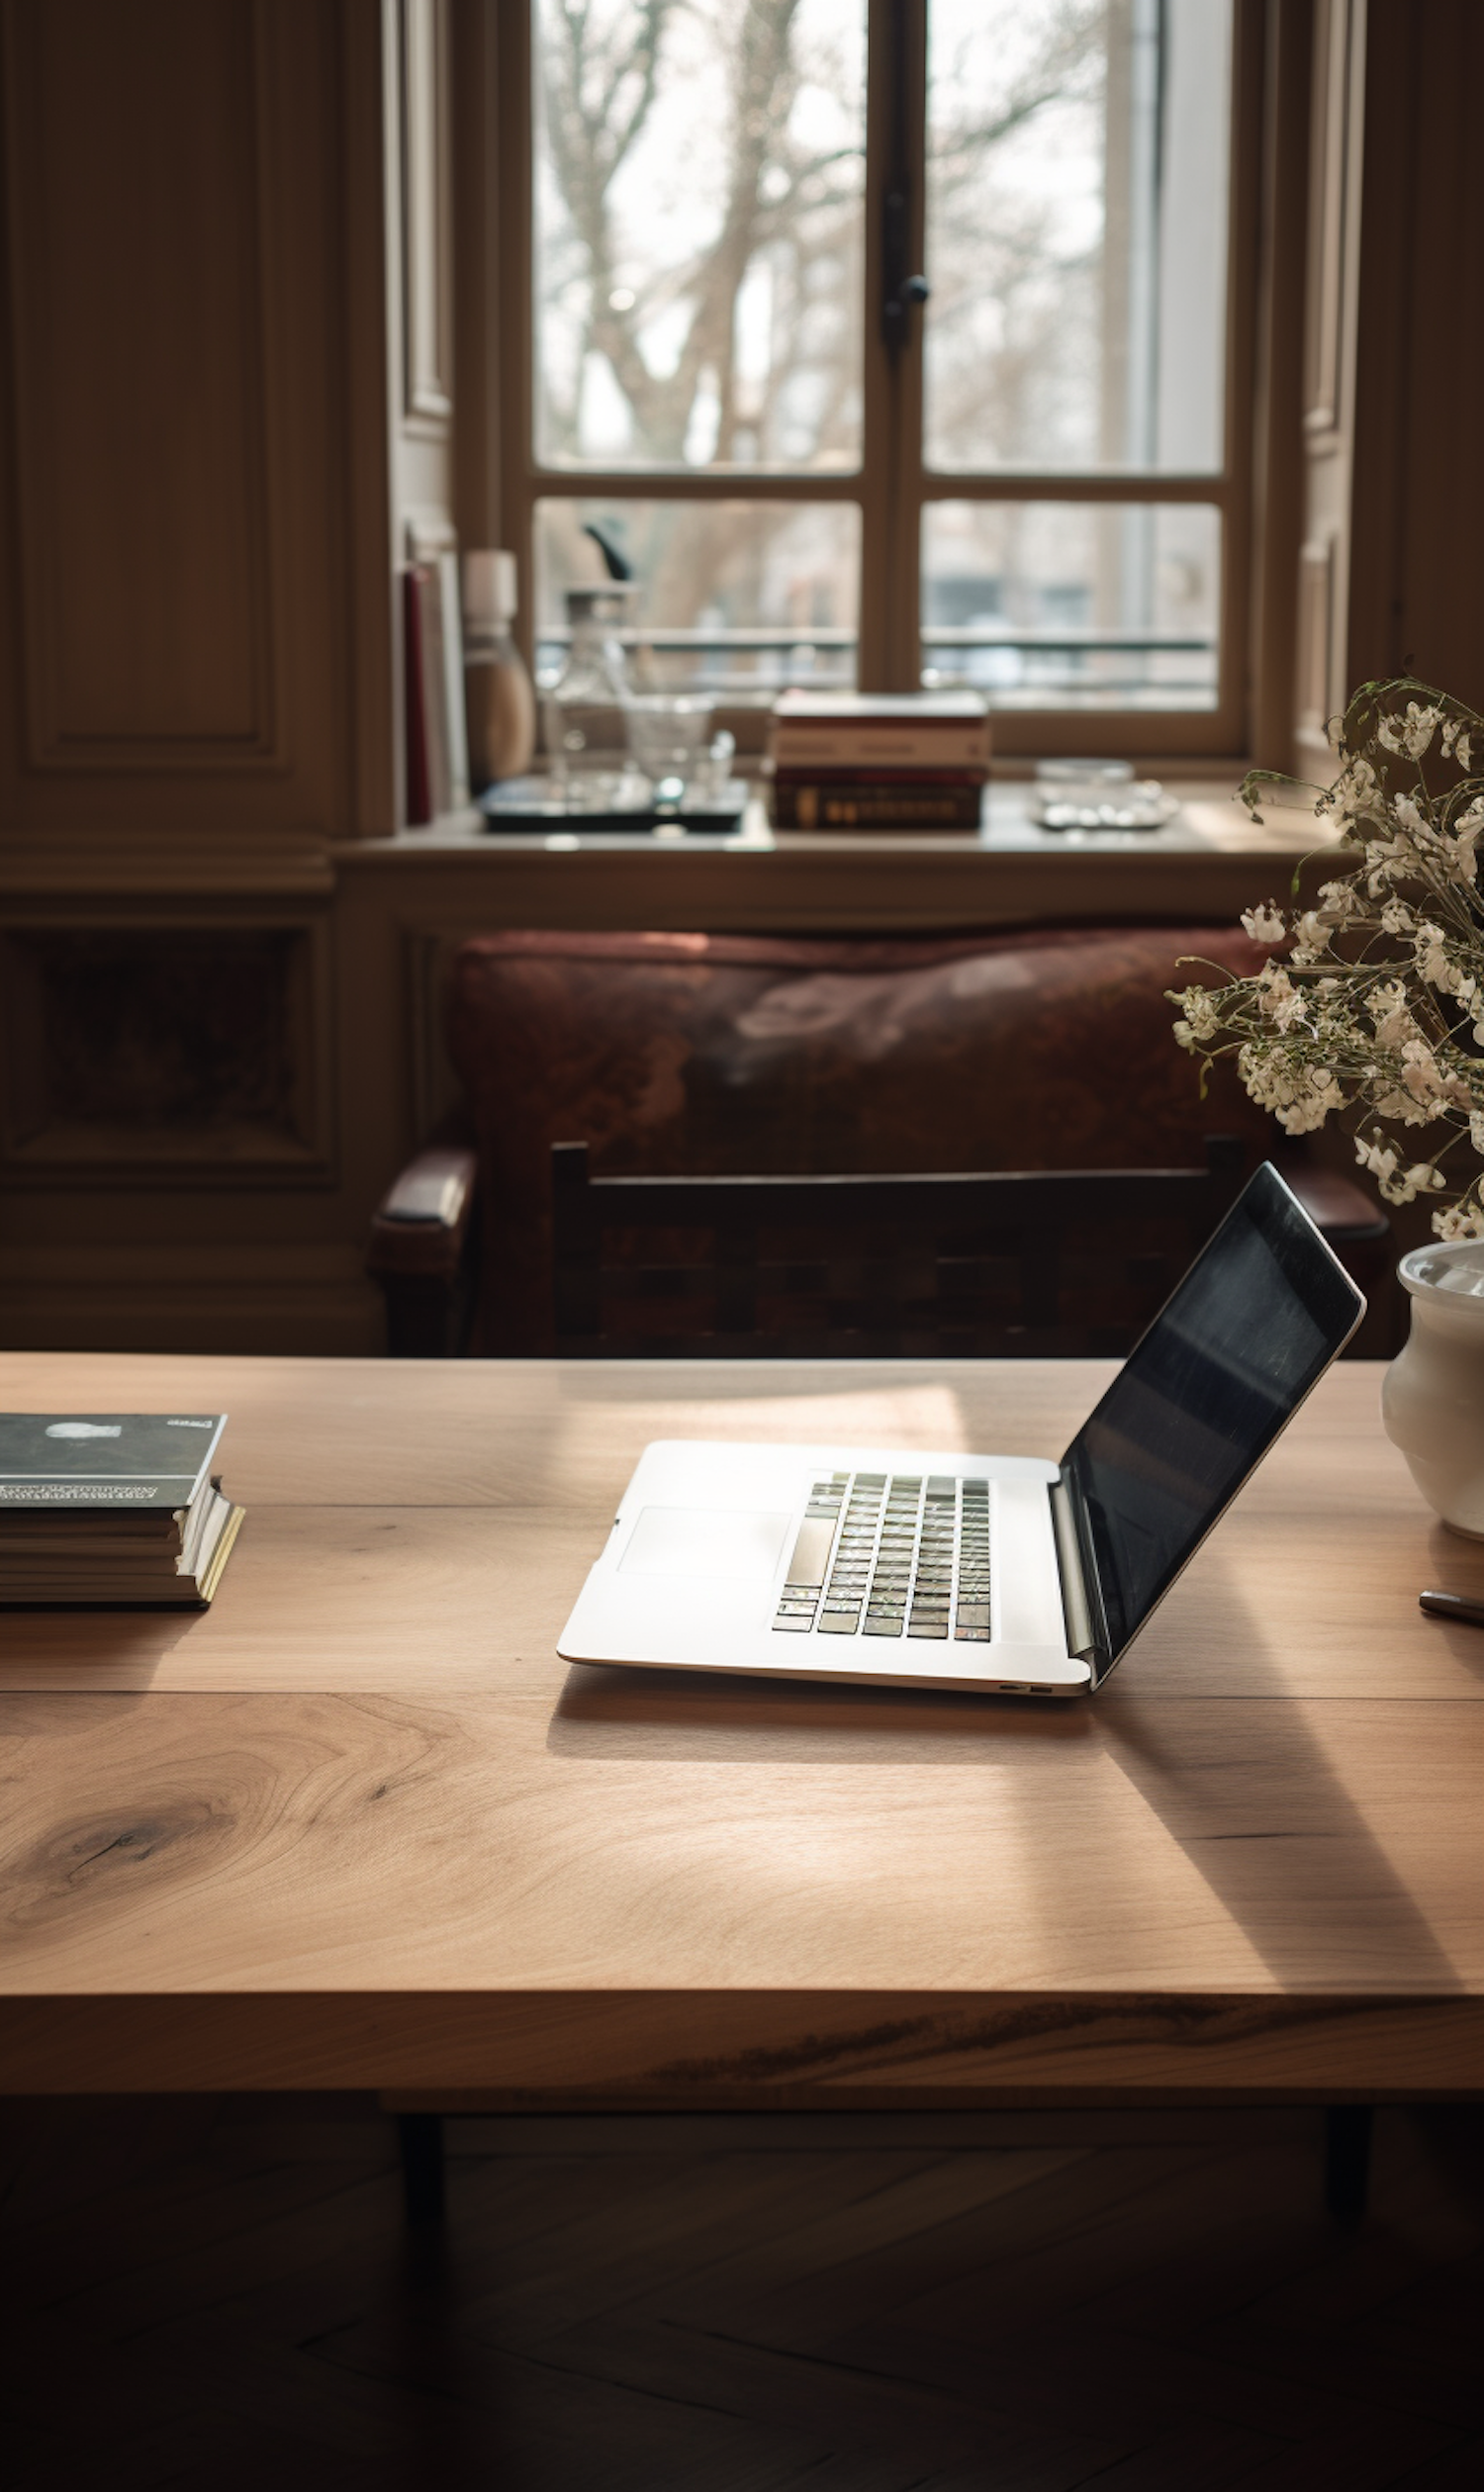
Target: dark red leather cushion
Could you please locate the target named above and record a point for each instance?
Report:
(728, 1054)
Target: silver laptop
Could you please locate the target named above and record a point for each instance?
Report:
(981, 1570)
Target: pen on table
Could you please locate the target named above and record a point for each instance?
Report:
(1453, 1605)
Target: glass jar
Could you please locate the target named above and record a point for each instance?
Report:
(583, 719)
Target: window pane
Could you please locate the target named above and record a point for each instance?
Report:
(738, 597)
(699, 178)
(1076, 223)
(1073, 604)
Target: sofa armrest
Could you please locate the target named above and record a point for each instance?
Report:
(1341, 1211)
(421, 1224)
(421, 1252)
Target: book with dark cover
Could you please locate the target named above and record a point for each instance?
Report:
(837, 802)
(112, 1510)
(134, 1462)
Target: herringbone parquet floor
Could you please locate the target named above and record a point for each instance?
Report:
(221, 2296)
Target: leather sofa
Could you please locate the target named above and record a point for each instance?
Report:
(715, 1055)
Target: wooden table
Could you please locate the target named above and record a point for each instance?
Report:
(358, 1826)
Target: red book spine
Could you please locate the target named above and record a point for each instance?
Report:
(418, 794)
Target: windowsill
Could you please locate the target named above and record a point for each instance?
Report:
(1209, 824)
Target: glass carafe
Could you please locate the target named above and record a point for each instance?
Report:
(583, 710)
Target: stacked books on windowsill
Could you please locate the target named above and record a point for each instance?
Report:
(880, 761)
(112, 1512)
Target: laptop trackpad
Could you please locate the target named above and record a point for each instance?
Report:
(705, 1540)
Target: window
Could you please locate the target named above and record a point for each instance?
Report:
(1033, 482)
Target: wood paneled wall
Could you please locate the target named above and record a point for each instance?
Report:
(216, 346)
(181, 319)
(231, 299)
(1418, 534)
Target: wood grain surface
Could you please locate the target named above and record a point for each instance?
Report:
(359, 1825)
(425, 1528)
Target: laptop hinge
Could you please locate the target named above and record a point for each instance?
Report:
(1081, 1638)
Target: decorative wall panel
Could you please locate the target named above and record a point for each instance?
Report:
(195, 1051)
(191, 557)
(143, 532)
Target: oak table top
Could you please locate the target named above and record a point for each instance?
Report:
(358, 1825)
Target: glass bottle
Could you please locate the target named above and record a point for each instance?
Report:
(501, 706)
(583, 719)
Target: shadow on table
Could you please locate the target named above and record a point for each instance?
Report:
(1257, 1805)
(681, 1715)
(1239, 1783)
(101, 1651)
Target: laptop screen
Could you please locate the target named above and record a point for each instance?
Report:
(1253, 1324)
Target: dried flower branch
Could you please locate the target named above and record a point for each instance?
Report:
(1375, 1008)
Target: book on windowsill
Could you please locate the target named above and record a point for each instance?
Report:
(878, 800)
(901, 731)
(115, 1510)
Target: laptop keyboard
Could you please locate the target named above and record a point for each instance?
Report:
(890, 1554)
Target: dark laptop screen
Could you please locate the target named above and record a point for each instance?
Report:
(1256, 1319)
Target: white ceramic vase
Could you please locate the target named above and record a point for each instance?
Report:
(1432, 1396)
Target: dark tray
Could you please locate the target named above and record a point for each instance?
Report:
(521, 805)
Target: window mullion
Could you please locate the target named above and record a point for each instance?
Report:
(891, 488)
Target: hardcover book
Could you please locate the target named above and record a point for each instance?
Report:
(112, 1510)
(856, 730)
(137, 1461)
(898, 801)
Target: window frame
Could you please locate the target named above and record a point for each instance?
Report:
(893, 484)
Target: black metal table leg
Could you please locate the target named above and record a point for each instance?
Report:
(420, 2135)
(1347, 2135)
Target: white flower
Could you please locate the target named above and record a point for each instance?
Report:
(1460, 1220)
(1466, 830)
(1397, 1185)
(1455, 735)
(1411, 818)
(1411, 735)
(1388, 861)
(1264, 925)
(1338, 903)
(1465, 752)
(1397, 918)
(1405, 1187)
(1202, 1018)
(1388, 1006)
(1355, 792)
(1421, 1075)
(1278, 997)
(1431, 946)
(1476, 1130)
(1316, 1092)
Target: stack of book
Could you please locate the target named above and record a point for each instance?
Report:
(880, 761)
(112, 1512)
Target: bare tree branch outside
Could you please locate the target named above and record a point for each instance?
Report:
(699, 300)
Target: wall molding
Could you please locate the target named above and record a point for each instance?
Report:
(426, 218)
(264, 1299)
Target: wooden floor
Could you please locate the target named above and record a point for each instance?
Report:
(222, 2294)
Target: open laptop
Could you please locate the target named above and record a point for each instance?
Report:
(981, 1570)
